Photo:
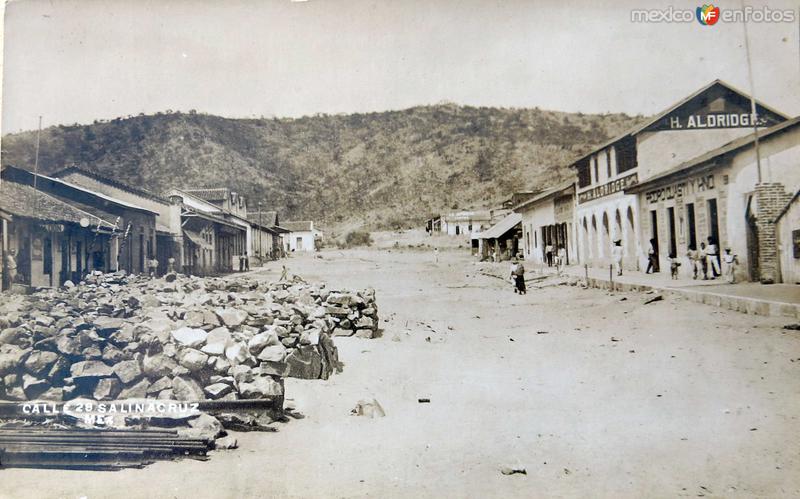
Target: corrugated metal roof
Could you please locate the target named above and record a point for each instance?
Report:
(501, 227)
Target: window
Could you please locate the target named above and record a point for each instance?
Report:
(584, 174)
(594, 166)
(626, 154)
(608, 163)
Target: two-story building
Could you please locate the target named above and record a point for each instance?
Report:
(709, 118)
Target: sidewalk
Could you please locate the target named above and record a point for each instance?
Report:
(778, 300)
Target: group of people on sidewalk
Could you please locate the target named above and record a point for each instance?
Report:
(557, 258)
(705, 261)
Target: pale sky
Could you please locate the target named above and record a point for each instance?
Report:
(81, 60)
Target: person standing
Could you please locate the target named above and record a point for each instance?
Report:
(170, 265)
(436, 255)
(519, 280)
(513, 275)
(712, 258)
(153, 267)
(694, 261)
(11, 267)
(241, 262)
(561, 256)
(246, 261)
(730, 261)
(674, 265)
(701, 257)
(652, 257)
(284, 273)
(616, 254)
(548, 254)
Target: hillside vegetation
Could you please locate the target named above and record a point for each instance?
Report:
(381, 170)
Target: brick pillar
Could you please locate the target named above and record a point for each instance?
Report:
(771, 199)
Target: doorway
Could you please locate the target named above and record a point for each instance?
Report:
(692, 229)
(673, 243)
(713, 222)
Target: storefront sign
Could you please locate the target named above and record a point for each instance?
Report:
(687, 187)
(609, 188)
(53, 227)
(563, 207)
(722, 120)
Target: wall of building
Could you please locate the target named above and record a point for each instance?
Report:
(167, 215)
(307, 238)
(662, 150)
(595, 238)
(788, 245)
(533, 219)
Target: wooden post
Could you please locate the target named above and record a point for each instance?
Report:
(611, 276)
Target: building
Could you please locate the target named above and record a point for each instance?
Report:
(52, 241)
(268, 236)
(501, 240)
(169, 236)
(548, 219)
(465, 223)
(788, 228)
(721, 194)
(212, 242)
(302, 236)
(712, 116)
(133, 243)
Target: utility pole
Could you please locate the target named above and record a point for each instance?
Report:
(260, 230)
(36, 167)
(752, 96)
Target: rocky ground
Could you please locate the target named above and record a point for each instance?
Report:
(590, 393)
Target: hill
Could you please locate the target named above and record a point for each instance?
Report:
(382, 170)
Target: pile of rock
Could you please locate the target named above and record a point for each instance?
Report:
(183, 338)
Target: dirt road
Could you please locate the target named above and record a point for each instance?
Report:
(591, 394)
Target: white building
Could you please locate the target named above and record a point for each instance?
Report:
(302, 236)
(548, 219)
(722, 195)
(714, 115)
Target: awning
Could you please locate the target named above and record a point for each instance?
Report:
(196, 238)
(501, 227)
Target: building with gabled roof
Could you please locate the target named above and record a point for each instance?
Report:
(131, 247)
(302, 236)
(722, 195)
(714, 115)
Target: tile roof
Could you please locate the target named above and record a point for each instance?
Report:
(266, 218)
(213, 194)
(21, 175)
(25, 201)
(301, 226)
(109, 181)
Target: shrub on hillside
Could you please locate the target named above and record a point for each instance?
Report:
(357, 238)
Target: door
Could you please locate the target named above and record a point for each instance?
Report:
(692, 229)
(654, 237)
(713, 222)
(299, 241)
(78, 261)
(673, 243)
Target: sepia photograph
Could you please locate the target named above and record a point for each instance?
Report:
(399, 249)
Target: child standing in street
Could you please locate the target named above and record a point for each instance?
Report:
(674, 265)
(730, 262)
